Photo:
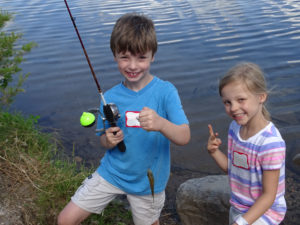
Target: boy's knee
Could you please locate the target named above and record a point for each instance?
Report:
(156, 222)
(60, 219)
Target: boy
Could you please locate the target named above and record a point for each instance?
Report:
(151, 116)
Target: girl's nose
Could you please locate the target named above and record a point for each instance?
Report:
(234, 106)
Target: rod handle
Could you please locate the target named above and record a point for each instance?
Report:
(112, 121)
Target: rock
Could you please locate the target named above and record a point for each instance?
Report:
(204, 201)
(296, 159)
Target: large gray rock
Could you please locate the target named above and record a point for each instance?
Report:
(204, 201)
(296, 159)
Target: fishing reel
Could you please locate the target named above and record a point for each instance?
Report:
(111, 113)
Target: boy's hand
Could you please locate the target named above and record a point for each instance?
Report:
(213, 142)
(150, 120)
(114, 135)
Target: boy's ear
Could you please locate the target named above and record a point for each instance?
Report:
(152, 60)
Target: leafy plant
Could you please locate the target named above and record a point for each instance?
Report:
(10, 59)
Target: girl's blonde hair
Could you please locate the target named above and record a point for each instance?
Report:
(252, 76)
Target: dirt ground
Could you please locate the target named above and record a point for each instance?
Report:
(13, 197)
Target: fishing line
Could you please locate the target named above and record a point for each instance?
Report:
(110, 110)
(86, 55)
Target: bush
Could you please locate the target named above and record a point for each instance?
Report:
(10, 59)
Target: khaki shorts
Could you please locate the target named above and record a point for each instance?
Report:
(95, 193)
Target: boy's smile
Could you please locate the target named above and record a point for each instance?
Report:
(135, 69)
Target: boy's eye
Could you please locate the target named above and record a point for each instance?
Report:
(241, 99)
(226, 103)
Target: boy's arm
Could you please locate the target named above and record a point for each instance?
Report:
(213, 148)
(266, 200)
(151, 121)
(178, 134)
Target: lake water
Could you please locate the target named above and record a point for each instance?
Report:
(199, 40)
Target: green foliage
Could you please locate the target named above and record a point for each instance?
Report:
(10, 59)
(4, 17)
(32, 157)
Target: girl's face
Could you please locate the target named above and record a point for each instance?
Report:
(242, 105)
(135, 68)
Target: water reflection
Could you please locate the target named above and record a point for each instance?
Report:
(198, 42)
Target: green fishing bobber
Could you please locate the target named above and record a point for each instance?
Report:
(87, 119)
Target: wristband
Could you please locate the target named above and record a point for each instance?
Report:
(241, 221)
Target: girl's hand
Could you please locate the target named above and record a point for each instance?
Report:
(150, 120)
(213, 141)
(114, 135)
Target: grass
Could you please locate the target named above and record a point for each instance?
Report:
(29, 157)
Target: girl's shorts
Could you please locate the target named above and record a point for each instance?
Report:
(95, 193)
(234, 214)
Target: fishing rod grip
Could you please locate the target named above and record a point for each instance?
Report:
(109, 115)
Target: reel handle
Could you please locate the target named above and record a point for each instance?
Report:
(111, 118)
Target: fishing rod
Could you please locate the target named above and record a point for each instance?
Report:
(110, 110)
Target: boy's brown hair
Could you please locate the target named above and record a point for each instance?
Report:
(134, 33)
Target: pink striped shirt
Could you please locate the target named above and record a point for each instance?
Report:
(247, 159)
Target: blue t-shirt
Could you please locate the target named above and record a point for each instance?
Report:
(144, 150)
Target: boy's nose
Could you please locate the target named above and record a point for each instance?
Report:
(132, 64)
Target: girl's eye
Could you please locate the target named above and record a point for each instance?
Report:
(241, 99)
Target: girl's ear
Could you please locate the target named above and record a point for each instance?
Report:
(263, 97)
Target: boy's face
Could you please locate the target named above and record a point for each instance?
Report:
(135, 68)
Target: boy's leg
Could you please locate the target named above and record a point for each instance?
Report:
(91, 197)
(145, 211)
(72, 214)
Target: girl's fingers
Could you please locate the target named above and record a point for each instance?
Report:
(211, 132)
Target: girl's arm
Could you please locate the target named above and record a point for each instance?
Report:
(266, 200)
(213, 149)
(151, 121)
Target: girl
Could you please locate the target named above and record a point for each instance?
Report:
(256, 151)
